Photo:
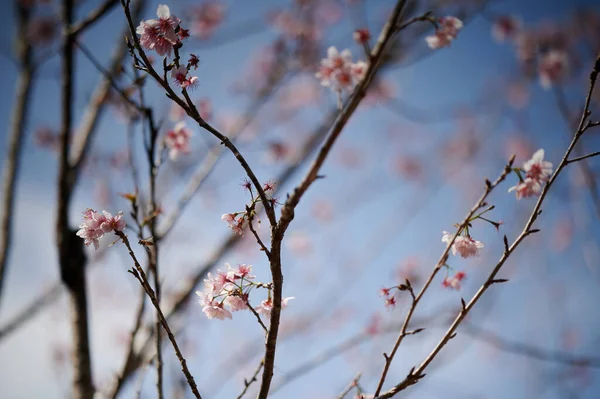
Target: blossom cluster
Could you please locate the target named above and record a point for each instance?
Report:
(338, 72)
(445, 33)
(537, 171)
(228, 291)
(96, 224)
(465, 246)
(237, 220)
(163, 35)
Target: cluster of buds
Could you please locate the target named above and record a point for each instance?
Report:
(389, 293)
(338, 72)
(237, 220)
(227, 292)
(445, 32)
(96, 224)
(537, 171)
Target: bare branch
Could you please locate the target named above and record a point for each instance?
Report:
(417, 373)
(489, 186)
(15, 137)
(593, 154)
(140, 275)
(93, 16)
(350, 386)
(249, 382)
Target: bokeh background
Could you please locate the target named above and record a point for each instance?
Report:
(410, 164)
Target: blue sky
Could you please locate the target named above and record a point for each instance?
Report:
(380, 220)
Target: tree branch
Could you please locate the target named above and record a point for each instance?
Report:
(417, 373)
(15, 137)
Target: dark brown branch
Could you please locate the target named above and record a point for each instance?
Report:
(287, 212)
(255, 313)
(593, 154)
(72, 260)
(418, 372)
(254, 378)
(233, 240)
(93, 16)
(189, 107)
(15, 136)
(489, 186)
(140, 275)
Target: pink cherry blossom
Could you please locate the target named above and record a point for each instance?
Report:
(536, 168)
(552, 68)
(527, 188)
(112, 223)
(465, 246)
(216, 311)
(454, 282)
(183, 79)
(95, 225)
(445, 34)
(159, 34)
(339, 72)
(237, 226)
(242, 271)
(236, 303)
(266, 306)
(506, 27)
(178, 140)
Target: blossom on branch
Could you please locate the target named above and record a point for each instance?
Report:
(446, 32)
(160, 34)
(537, 171)
(339, 72)
(463, 245)
(266, 306)
(95, 225)
(183, 79)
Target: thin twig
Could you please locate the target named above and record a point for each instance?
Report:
(593, 154)
(193, 112)
(140, 275)
(489, 186)
(15, 136)
(93, 16)
(249, 382)
(287, 211)
(353, 384)
(417, 373)
(255, 313)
